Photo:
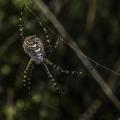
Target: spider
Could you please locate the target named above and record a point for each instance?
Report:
(35, 49)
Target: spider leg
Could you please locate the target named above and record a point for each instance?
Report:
(58, 68)
(21, 24)
(56, 43)
(27, 76)
(52, 80)
(47, 40)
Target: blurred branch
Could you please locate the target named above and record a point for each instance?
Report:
(91, 15)
(107, 90)
(91, 110)
(9, 109)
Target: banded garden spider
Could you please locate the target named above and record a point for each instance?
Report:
(34, 47)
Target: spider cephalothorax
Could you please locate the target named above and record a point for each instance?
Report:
(33, 46)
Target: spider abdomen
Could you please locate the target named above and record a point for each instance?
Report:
(33, 46)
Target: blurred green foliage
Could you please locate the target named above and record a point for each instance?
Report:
(95, 27)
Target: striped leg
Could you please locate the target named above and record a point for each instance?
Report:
(56, 44)
(21, 24)
(27, 76)
(49, 47)
(48, 41)
(56, 67)
(52, 81)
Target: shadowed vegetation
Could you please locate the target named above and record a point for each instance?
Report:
(94, 26)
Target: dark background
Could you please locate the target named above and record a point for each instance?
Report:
(95, 27)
